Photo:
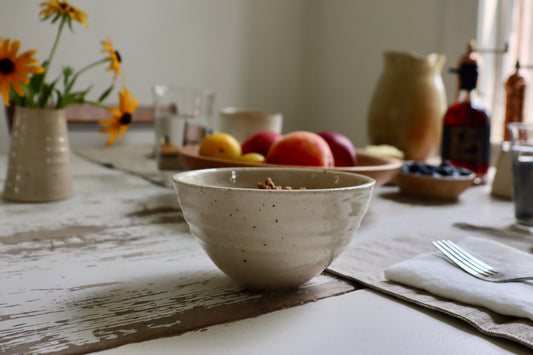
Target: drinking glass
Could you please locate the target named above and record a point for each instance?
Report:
(182, 116)
(522, 162)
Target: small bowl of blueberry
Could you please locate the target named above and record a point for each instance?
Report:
(435, 182)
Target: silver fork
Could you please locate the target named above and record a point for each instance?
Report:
(473, 265)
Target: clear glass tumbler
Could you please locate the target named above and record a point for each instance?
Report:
(522, 162)
(182, 116)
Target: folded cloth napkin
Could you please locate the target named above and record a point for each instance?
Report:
(435, 274)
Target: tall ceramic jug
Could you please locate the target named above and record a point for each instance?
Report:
(408, 104)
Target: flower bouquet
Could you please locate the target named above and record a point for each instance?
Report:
(23, 81)
(39, 159)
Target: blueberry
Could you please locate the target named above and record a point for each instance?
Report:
(415, 167)
(430, 170)
(418, 166)
(464, 171)
(445, 170)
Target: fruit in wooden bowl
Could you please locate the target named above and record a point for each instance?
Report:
(301, 148)
(341, 147)
(220, 145)
(433, 182)
(260, 142)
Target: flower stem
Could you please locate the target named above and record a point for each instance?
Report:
(82, 70)
(52, 52)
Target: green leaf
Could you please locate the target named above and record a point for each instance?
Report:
(69, 20)
(63, 100)
(67, 72)
(82, 94)
(45, 93)
(105, 93)
(27, 99)
(35, 82)
(54, 20)
(73, 97)
(60, 98)
(13, 96)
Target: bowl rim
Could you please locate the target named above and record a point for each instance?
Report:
(367, 182)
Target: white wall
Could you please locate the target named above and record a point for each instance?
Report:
(316, 61)
(346, 40)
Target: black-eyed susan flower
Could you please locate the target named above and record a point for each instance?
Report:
(60, 9)
(24, 82)
(14, 69)
(113, 57)
(119, 123)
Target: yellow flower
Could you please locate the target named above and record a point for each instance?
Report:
(14, 69)
(121, 119)
(113, 57)
(61, 9)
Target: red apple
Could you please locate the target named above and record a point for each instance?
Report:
(301, 148)
(341, 147)
(260, 142)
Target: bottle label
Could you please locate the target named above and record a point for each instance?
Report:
(470, 144)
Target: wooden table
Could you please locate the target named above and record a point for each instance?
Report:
(115, 264)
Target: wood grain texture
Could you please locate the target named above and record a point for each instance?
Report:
(88, 114)
(115, 264)
(85, 113)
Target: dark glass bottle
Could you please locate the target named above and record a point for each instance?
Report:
(470, 56)
(466, 130)
(515, 89)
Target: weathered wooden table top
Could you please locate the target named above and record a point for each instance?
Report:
(113, 264)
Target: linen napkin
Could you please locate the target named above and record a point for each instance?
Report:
(435, 274)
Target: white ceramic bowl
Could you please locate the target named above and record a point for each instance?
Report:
(273, 239)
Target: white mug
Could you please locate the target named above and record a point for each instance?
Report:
(241, 123)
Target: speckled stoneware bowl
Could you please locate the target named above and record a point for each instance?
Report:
(273, 239)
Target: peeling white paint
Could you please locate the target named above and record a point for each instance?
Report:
(92, 268)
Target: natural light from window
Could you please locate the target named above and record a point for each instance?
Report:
(504, 22)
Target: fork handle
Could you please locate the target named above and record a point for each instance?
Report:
(517, 279)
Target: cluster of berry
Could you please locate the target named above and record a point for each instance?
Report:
(445, 169)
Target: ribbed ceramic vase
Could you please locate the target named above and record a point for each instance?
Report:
(408, 104)
(39, 156)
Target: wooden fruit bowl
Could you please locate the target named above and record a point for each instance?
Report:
(379, 168)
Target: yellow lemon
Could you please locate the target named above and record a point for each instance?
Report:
(253, 158)
(220, 145)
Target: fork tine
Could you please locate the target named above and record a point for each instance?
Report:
(464, 259)
(472, 265)
(452, 256)
(487, 269)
